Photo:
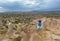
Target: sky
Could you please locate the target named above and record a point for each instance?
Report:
(29, 5)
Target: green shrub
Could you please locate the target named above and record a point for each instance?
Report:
(17, 21)
(3, 32)
(17, 39)
(14, 28)
(4, 22)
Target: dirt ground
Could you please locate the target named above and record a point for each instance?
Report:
(29, 32)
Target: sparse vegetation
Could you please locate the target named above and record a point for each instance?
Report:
(4, 22)
(14, 28)
(16, 21)
(17, 39)
(3, 32)
(16, 25)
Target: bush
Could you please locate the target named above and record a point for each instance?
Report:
(3, 32)
(17, 21)
(17, 39)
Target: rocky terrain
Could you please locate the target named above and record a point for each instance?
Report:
(24, 28)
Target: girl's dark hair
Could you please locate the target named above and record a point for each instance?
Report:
(39, 21)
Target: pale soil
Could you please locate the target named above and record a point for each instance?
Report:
(29, 32)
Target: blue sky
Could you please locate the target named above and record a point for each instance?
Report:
(29, 5)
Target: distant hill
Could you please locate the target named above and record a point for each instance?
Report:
(34, 12)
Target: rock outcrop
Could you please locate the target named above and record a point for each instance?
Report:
(29, 32)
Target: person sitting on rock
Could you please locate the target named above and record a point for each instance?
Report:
(39, 25)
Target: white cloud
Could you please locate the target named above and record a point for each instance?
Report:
(30, 3)
(2, 9)
(46, 3)
(6, 1)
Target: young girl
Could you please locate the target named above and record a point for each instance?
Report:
(40, 24)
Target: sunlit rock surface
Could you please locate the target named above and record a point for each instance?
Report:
(13, 30)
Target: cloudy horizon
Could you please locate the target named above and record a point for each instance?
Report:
(29, 5)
